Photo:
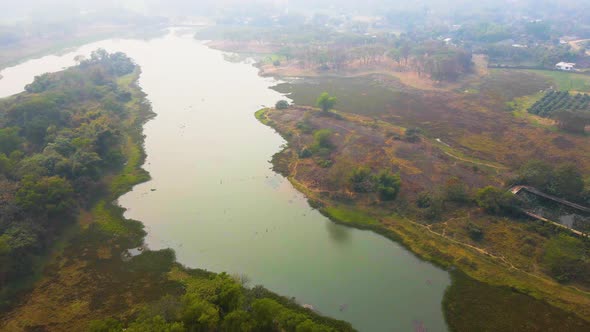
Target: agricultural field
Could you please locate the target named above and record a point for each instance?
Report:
(553, 102)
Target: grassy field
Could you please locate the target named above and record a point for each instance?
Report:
(491, 314)
(566, 81)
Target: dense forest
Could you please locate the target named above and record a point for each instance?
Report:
(57, 140)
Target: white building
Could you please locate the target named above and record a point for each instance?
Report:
(567, 66)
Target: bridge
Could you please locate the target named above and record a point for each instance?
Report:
(516, 189)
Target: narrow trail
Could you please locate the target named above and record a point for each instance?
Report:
(496, 257)
(475, 162)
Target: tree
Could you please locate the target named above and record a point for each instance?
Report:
(326, 102)
(567, 181)
(496, 201)
(199, 314)
(229, 293)
(105, 325)
(265, 311)
(455, 190)
(573, 121)
(413, 135)
(535, 173)
(49, 196)
(322, 141)
(388, 185)
(155, 324)
(475, 232)
(361, 180)
(9, 140)
(238, 321)
(282, 105)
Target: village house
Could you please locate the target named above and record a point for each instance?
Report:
(566, 66)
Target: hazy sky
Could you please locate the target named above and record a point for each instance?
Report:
(57, 9)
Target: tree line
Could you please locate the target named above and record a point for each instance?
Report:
(57, 140)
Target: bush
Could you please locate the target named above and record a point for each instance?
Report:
(424, 200)
(326, 102)
(388, 185)
(305, 153)
(282, 105)
(322, 140)
(361, 180)
(413, 135)
(566, 258)
(475, 232)
(496, 201)
(456, 191)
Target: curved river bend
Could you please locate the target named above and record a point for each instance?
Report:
(220, 207)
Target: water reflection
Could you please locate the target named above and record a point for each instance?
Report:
(339, 234)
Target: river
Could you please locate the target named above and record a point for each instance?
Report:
(214, 199)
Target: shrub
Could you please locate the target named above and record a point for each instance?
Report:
(424, 200)
(475, 232)
(322, 140)
(326, 102)
(413, 135)
(388, 185)
(361, 180)
(282, 105)
(496, 201)
(305, 153)
(566, 259)
(456, 191)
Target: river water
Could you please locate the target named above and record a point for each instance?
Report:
(214, 199)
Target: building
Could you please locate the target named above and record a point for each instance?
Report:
(567, 66)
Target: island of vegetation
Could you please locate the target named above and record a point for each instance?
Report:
(70, 145)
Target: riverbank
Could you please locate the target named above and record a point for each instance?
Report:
(90, 281)
(323, 179)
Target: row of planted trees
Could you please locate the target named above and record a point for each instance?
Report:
(430, 58)
(571, 111)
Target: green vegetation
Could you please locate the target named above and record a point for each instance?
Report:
(220, 303)
(387, 185)
(496, 201)
(90, 154)
(456, 191)
(567, 259)
(438, 213)
(59, 140)
(350, 215)
(413, 135)
(566, 81)
(555, 101)
(326, 102)
(282, 105)
(565, 180)
(474, 306)
(572, 112)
